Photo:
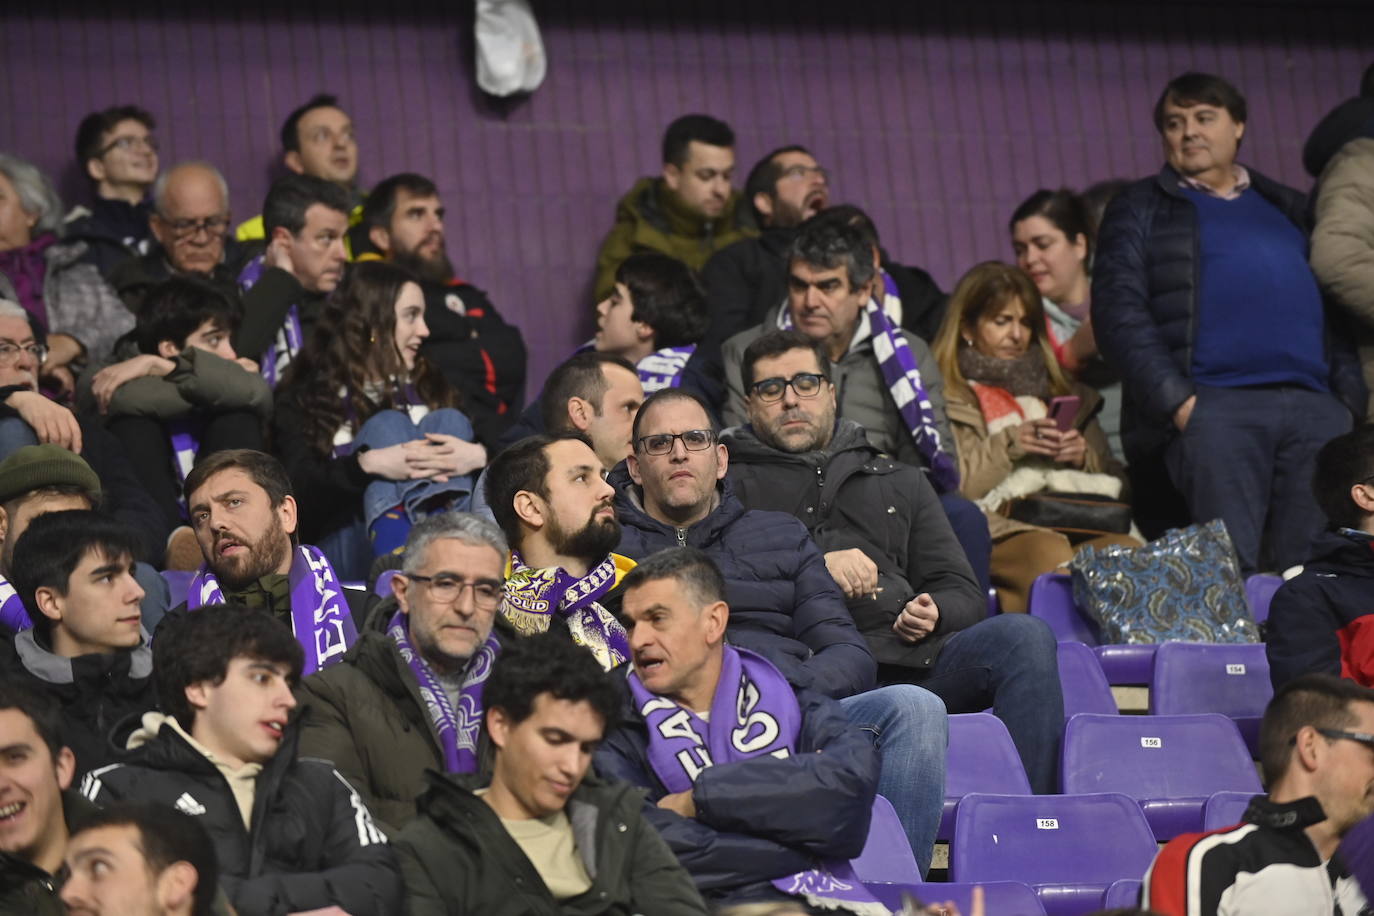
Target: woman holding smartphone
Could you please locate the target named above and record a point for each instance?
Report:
(1019, 423)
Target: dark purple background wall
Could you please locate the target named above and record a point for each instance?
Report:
(937, 116)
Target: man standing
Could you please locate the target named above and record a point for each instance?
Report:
(117, 151)
(543, 834)
(784, 603)
(408, 696)
(1317, 751)
(1203, 300)
(890, 549)
(689, 212)
(478, 352)
(550, 497)
(244, 517)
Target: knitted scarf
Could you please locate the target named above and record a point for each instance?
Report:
(534, 596)
(289, 340)
(26, 267)
(663, 368)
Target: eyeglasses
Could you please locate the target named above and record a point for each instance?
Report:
(449, 589)
(694, 440)
(805, 384)
(129, 144)
(800, 172)
(9, 353)
(187, 228)
(1358, 737)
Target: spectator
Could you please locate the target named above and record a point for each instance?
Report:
(1321, 620)
(653, 318)
(1203, 301)
(38, 479)
(1343, 123)
(477, 841)
(116, 150)
(140, 858)
(290, 834)
(784, 603)
(368, 431)
(74, 572)
(890, 549)
(190, 222)
(77, 311)
(317, 140)
(688, 212)
(746, 818)
(1282, 857)
(550, 498)
(480, 355)
(408, 696)
(287, 285)
(1001, 375)
(179, 391)
(244, 516)
(888, 381)
(36, 771)
(1052, 234)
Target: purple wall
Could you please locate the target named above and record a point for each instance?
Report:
(938, 117)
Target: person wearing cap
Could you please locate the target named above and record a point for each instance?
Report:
(47, 478)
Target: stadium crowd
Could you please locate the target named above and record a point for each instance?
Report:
(308, 606)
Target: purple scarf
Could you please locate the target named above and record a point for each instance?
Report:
(534, 595)
(26, 268)
(12, 613)
(288, 342)
(663, 368)
(754, 713)
(320, 617)
(458, 729)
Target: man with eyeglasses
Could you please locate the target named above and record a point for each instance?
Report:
(890, 549)
(408, 696)
(1317, 752)
(784, 604)
(117, 151)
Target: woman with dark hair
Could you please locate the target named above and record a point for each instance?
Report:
(367, 429)
(1001, 381)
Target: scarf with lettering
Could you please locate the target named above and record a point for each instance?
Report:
(754, 713)
(12, 613)
(289, 339)
(533, 596)
(898, 367)
(458, 728)
(663, 368)
(320, 617)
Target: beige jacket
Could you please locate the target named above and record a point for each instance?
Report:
(1342, 254)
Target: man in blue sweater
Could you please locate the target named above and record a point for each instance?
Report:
(1203, 299)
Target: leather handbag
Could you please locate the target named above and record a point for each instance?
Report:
(1077, 516)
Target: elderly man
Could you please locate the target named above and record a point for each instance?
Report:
(408, 696)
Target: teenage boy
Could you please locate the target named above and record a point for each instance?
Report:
(290, 834)
(74, 572)
(542, 834)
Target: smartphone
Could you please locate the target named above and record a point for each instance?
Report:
(1063, 411)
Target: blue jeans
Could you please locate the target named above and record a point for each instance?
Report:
(1011, 663)
(910, 729)
(392, 427)
(971, 529)
(14, 435)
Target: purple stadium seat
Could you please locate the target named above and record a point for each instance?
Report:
(1259, 591)
(1070, 848)
(981, 758)
(1225, 809)
(1229, 678)
(994, 603)
(1051, 599)
(1001, 898)
(178, 584)
(887, 856)
(383, 587)
(1123, 894)
(1170, 764)
(1085, 686)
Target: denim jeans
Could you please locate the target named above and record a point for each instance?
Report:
(910, 729)
(392, 427)
(14, 435)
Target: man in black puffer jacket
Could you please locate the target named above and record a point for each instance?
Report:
(290, 834)
(1235, 372)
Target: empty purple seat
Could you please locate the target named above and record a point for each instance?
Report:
(981, 758)
(1051, 599)
(1170, 764)
(1002, 898)
(1225, 809)
(1123, 894)
(1228, 678)
(887, 856)
(1070, 848)
(178, 585)
(1085, 686)
(1259, 591)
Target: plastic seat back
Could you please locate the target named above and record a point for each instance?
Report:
(1051, 599)
(981, 758)
(1085, 686)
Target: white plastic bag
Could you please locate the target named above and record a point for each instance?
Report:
(510, 52)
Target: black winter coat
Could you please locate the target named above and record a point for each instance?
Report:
(1322, 621)
(313, 842)
(26, 889)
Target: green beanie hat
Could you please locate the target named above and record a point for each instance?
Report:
(36, 466)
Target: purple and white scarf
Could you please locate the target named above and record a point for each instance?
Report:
(458, 729)
(754, 713)
(663, 368)
(12, 612)
(903, 378)
(320, 617)
(533, 596)
(287, 344)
